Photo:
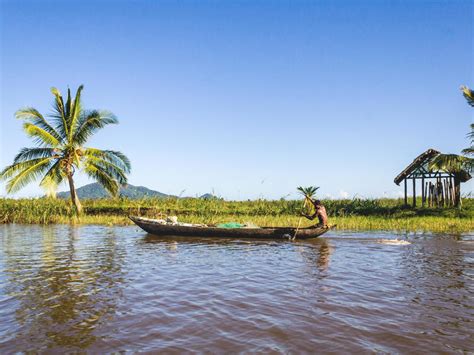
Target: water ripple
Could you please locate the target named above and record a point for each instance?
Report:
(106, 289)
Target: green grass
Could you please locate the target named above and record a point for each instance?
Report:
(356, 214)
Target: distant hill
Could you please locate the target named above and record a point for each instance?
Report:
(96, 191)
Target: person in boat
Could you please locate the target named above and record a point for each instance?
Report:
(320, 212)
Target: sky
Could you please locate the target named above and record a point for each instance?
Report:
(248, 99)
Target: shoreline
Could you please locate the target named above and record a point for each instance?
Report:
(354, 223)
(348, 215)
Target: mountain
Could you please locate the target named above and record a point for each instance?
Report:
(96, 191)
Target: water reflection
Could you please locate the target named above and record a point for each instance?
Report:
(102, 290)
(315, 252)
(318, 253)
(63, 293)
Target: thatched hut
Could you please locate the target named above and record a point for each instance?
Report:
(438, 188)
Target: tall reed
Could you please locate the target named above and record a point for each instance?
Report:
(348, 214)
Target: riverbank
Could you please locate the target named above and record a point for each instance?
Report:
(356, 214)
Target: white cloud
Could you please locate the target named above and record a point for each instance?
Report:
(343, 194)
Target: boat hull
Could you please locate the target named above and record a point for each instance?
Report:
(165, 230)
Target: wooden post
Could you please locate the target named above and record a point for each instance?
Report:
(457, 191)
(432, 194)
(423, 192)
(427, 194)
(446, 192)
(430, 201)
(438, 195)
(406, 197)
(451, 183)
(414, 192)
(441, 191)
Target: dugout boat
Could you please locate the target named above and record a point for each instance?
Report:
(158, 228)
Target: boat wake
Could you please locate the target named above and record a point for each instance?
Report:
(393, 242)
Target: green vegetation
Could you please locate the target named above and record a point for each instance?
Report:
(356, 214)
(60, 150)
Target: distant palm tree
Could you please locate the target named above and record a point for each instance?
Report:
(60, 150)
(458, 164)
(469, 95)
(454, 163)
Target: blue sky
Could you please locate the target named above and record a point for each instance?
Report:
(248, 99)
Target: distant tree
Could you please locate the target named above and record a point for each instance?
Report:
(60, 150)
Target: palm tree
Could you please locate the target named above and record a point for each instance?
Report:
(458, 164)
(469, 95)
(60, 150)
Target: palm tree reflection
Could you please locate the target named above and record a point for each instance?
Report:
(65, 285)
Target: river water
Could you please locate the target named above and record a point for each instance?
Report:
(102, 289)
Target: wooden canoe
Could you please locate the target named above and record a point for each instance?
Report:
(160, 229)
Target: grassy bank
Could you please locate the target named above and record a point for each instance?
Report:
(356, 214)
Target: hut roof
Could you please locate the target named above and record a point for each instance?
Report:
(420, 164)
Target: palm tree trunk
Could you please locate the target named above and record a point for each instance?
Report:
(74, 198)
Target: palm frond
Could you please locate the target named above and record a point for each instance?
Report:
(308, 192)
(52, 179)
(111, 169)
(27, 175)
(68, 103)
(33, 116)
(470, 135)
(59, 113)
(468, 94)
(75, 113)
(469, 166)
(33, 153)
(16, 168)
(40, 136)
(112, 156)
(90, 122)
(102, 178)
(468, 151)
(451, 163)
